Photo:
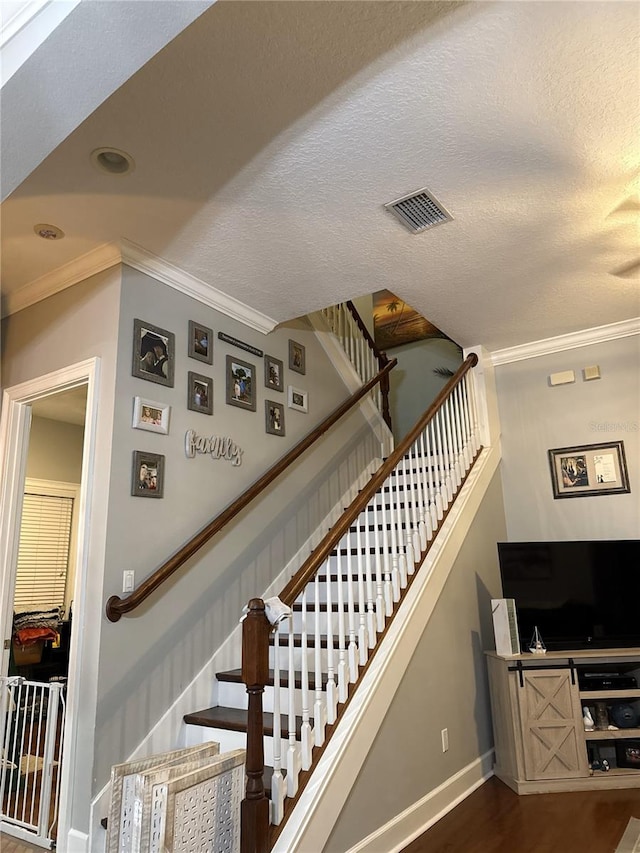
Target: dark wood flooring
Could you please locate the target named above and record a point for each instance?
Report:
(495, 820)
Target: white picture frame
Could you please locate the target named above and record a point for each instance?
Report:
(150, 415)
(297, 399)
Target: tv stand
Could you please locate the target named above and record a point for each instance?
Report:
(541, 744)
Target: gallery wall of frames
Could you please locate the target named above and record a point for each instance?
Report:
(248, 377)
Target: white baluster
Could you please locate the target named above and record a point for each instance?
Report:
(380, 603)
(396, 580)
(363, 642)
(306, 744)
(386, 559)
(293, 752)
(277, 780)
(420, 538)
(454, 464)
(353, 647)
(330, 689)
(410, 553)
(319, 708)
(466, 424)
(424, 473)
(457, 415)
(437, 467)
(445, 479)
(371, 613)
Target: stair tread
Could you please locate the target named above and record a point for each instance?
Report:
(235, 720)
(234, 676)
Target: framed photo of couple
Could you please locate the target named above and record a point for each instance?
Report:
(154, 353)
(588, 470)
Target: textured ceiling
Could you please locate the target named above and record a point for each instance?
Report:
(268, 135)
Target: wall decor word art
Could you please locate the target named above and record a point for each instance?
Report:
(153, 353)
(589, 469)
(216, 446)
(297, 357)
(297, 399)
(200, 342)
(228, 339)
(147, 475)
(274, 417)
(199, 393)
(241, 385)
(273, 373)
(150, 415)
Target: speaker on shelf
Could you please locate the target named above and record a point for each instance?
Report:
(623, 715)
(505, 626)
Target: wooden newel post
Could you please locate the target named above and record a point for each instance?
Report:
(254, 809)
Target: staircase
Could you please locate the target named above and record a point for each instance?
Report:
(303, 670)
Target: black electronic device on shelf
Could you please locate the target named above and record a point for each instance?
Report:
(607, 681)
(579, 594)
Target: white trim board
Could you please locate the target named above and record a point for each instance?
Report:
(110, 254)
(586, 337)
(404, 828)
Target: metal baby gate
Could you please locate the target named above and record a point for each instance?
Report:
(31, 737)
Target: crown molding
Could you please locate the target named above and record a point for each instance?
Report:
(77, 270)
(585, 337)
(164, 271)
(124, 252)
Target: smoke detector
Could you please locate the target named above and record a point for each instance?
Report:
(419, 211)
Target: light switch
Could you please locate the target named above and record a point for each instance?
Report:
(127, 581)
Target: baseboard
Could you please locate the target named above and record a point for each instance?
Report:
(395, 835)
(77, 842)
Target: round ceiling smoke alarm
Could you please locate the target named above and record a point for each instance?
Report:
(48, 232)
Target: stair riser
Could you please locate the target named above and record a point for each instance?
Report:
(235, 696)
(228, 740)
(345, 592)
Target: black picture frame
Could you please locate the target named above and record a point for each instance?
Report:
(273, 373)
(588, 470)
(199, 393)
(147, 475)
(274, 417)
(241, 384)
(200, 342)
(628, 753)
(154, 353)
(297, 357)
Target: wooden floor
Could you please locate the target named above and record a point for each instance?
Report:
(495, 820)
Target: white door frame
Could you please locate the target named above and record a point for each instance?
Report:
(14, 440)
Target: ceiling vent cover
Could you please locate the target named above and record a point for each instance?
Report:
(419, 211)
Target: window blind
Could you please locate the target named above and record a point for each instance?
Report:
(43, 553)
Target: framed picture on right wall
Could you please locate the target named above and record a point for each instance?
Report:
(589, 469)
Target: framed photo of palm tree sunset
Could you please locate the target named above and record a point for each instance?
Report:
(396, 323)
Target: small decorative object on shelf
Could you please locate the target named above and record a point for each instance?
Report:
(602, 717)
(587, 719)
(536, 646)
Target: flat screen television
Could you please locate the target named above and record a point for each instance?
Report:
(579, 594)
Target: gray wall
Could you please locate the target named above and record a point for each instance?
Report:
(445, 685)
(536, 417)
(147, 659)
(413, 384)
(55, 451)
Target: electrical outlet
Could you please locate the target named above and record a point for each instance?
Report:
(445, 739)
(128, 581)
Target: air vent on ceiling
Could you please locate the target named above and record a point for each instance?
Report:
(419, 211)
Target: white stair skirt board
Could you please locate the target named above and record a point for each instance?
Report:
(398, 833)
(320, 803)
(170, 732)
(395, 835)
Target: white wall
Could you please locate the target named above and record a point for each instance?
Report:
(413, 384)
(536, 417)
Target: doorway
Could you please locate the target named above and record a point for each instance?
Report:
(46, 442)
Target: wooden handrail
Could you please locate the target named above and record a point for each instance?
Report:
(117, 606)
(382, 357)
(308, 569)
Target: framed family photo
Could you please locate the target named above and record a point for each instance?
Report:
(199, 393)
(153, 353)
(589, 469)
(274, 417)
(273, 373)
(149, 415)
(147, 475)
(200, 342)
(297, 399)
(241, 383)
(297, 357)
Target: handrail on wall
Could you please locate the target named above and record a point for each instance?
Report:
(117, 606)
